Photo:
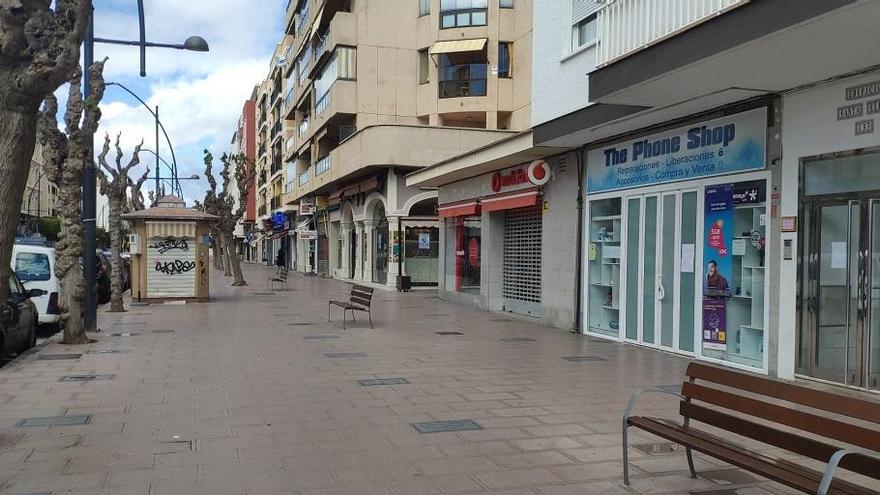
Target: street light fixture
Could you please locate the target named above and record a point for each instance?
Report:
(192, 43)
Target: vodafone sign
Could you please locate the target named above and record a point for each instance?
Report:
(536, 173)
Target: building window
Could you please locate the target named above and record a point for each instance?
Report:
(463, 74)
(346, 60)
(462, 13)
(504, 54)
(423, 66)
(584, 32)
(424, 7)
(505, 4)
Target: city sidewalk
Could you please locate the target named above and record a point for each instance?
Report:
(255, 393)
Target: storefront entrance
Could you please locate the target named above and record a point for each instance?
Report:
(840, 270)
(521, 288)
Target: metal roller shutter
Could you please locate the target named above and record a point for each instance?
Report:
(171, 267)
(521, 287)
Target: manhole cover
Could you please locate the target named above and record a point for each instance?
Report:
(675, 389)
(517, 339)
(451, 425)
(108, 351)
(341, 355)
(383, 381)
(86, 378)
(302, 324)
(657, 448)
(124, 334)
(163, 331)
(8, 440)
(320, 337)
(58, 357)
(54, 421)
(175, 447)
(579, 359)
(449, 333)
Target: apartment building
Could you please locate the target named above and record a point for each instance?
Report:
(39, 196)
(244, 144)
(375, 89)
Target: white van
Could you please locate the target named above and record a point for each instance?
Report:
(35, 267)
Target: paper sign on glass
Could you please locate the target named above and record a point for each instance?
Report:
(687, 258)
(739, 247)
(838, 255)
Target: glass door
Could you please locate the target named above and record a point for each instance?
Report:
(873, 293)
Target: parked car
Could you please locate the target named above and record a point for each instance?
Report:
(18, 319)
(35, 267)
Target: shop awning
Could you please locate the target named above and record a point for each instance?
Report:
(279, 234)
(461, 209)
(458, 46)
(518, 199)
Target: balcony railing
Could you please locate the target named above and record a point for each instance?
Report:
(276, 203)
(304, 178)
(627, 26)
(276, 166)
(261, 149)
(322, 165)
(322, 104)
(461, 80)
(321, 46)
(276, 128)
(303, 128)
(261, 210)
(289, 98)
(289, 144)
(289, 184)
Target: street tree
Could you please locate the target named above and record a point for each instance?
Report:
(211, 205)
(116, 189)
(66, 154)
(136, 202)
(233, 204)
(39, 49)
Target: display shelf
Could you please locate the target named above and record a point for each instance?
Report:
(606, 218)
(605, 231)
(610, 308)
(610, 263)
(602, 284)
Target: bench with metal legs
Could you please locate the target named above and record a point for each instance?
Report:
(360, 299)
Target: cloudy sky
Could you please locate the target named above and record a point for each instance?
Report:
(200, 95)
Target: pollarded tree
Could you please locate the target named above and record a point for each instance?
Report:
(66, 154)
(116, 190)
(136, 202)
(39, 48)
(233, 205)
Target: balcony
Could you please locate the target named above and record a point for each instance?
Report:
(289, 147)
(276, 129)
(303, 129)
(628, 26)
(463, 80)
(322, 165)
(289, 104)
(261, 211)
(276, 166)
(340, 99)
(322, 104)
(303, 178)
(276, 202)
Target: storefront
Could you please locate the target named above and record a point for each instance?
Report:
(676, 234)
(830, 281)
(508, 240)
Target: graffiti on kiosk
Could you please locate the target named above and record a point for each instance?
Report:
(169, 244)
(175, 267)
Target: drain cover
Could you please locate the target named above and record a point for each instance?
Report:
(86, 378)
(58, 357)
(517, 339)
(320, 337)
(339, 355)
(578, 359)
(163, 331)
(657, 448)
(449, 333)
(175, 447)
(451, 425)
(108, 351)
(383, 381)
(127, 334)
(54, 421)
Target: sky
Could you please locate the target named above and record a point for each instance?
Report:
(200, 95)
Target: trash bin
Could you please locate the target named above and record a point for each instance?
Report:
(404, 283)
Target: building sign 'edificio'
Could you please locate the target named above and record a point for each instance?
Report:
(730, 144)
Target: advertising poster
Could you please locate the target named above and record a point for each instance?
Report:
(718, 270)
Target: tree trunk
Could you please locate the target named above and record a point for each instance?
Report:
(18, 134)
(68, 253)
(116, 305)
(235, 261)
(224, 243)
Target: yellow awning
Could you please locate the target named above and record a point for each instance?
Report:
(458, 46)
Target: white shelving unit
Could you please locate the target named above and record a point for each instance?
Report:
(604, 266)
(745, 309)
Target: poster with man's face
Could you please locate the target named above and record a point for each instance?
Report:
(719, 265)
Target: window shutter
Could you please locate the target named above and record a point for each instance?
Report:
(583, 8)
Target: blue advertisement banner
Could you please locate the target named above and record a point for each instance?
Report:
(735, 143)
(719, 264)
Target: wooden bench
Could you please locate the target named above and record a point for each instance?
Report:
(280, 278)
(782, 415)
(361, 299)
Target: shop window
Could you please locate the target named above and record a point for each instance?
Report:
(462, 13)
(463, 74)
(604, 265)
(421, 254)
(734, 273)
(504, 54)
(463, 258)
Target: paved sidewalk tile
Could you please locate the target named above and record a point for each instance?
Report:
(256, 393)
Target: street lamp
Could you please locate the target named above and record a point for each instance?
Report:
(193, 43)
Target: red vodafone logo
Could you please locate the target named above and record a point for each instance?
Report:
(538, 172)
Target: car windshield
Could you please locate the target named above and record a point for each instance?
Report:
(32, 267)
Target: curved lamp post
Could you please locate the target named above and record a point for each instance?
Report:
(193, 43)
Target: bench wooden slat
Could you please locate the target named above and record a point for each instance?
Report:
(360, 301)
(791, 442)
(794, 476)
(818, 399)
(362, 288)
(826, 427)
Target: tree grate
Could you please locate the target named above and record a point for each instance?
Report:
(449, 333)
(320, 337)
(444, 426)
(583, 359)
(86, 378)
(54, 421)
(124, 334)
(383, 381)
(58, 357)
(343, 355)
(518, 339)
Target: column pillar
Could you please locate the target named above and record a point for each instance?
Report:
(395, 245)
(369, 236)
(358, 255)
(345, 232)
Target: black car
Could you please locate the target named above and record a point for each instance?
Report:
(18, 319)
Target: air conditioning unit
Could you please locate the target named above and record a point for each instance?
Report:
(134, 243)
